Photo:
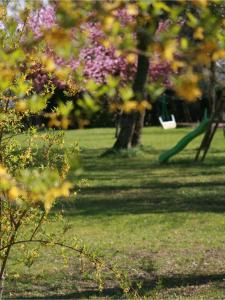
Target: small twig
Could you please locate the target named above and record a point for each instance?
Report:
(11, 243)
(38, 226)
(119, 276)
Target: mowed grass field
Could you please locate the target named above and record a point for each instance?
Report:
(163, 225)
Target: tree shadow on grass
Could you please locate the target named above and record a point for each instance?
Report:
(123, 186)
(182, 280)
(92, 161)
(142, 205)
(161, 283)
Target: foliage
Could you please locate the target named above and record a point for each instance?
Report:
(156, 223)
(91, 47)
(106, 42)
(31, 179)
(101, 49)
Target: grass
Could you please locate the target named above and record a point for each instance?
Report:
(163, 225)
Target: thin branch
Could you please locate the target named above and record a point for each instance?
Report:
(11, 243)
(120, 277)
(38, 226)
(45, 242)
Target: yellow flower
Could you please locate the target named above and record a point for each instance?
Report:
(21, 106)
(14, 193)
(131, 58)
(54, 122)
(108, 22)
(54, 193)
(106, 44)
(49, 198)
(143, 105)
(65, 189)
(177, 64)
(132, 9)
(202, 58)
(218, 54)
(187, 88)
(2, 11)
(65, 122)
(201, 2)
(57, 36)
(199, 33)
(118, 53)
(129, 106)
(50, 65)
(169, 50)
(2, 171)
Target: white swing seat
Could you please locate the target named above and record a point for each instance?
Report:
(168, 124)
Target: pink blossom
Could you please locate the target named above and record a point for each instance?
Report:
(44, 18)
(97, 61)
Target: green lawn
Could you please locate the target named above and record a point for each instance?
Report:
(163, 225)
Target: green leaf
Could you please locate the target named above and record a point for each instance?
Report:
(126, 93)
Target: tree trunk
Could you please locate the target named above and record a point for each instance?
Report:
(132, 123)
(1, 287)
(118, 122)
(136, 138)
(124, 138)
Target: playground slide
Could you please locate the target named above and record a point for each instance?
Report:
(165, 156)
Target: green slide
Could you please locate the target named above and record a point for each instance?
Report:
(165, 156)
